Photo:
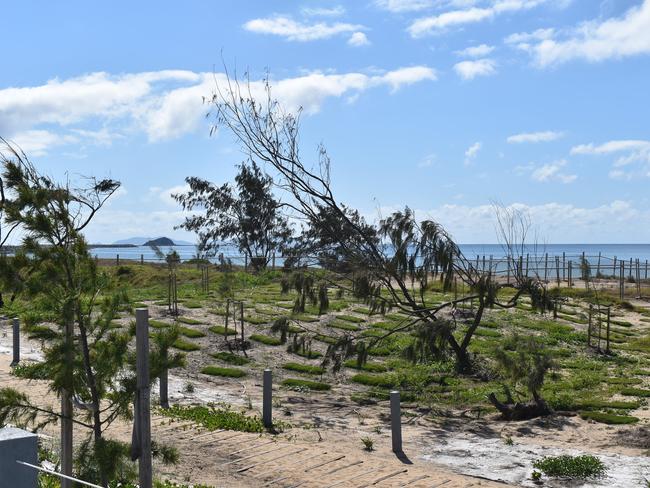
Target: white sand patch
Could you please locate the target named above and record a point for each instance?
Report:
(493, 459)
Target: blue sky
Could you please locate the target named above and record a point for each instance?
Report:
(442, 105)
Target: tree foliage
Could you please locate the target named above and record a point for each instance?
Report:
(245, 214)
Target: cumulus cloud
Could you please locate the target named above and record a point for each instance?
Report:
(336, 11)
(553, 172)
(559, 222)
(293, 30)
(633, 158)
(358, 39)
(471, 152)
(479, 51)
(596, 40)
(455, 18)
(468, 70)
(163, 105)
(398, 6)
(544, 136)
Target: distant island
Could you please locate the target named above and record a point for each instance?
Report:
(160, 241)
(147, 241)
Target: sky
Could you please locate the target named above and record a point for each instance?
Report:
(446, 106)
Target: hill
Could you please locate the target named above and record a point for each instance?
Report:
(160, 241)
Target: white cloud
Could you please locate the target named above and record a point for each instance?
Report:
(475, 51)
(557, 222)
(610, 147)
(522, 40)
(294, 30)
(553, 172)
(635, 158)
(163, 105)
(336, 11)
(454, 18)
(597, 40)
(468, 70)
(398, 6)
(544, 136)
(358, 39)
(471, 152)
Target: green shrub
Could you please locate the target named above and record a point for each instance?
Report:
(256, 320)
(638, 392)
(608, 418)
(309, 354)
(351, 318)
(158, 324)
(585, 466)
(309, 385)
(304, 368)
(192, 333)
(268, 340)
(219, 371)
(370, 367)
(192, 304)
(186, 346)
(220, 329)
(343, 325)
(213, 418)
(230, 358)
(30, 371)
(189, 321)
(382, 380)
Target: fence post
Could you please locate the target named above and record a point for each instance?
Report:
(395, 421)
(546, 267)
(246, 262)
(508, 270)
(16, 338)
(622, 281)
(117, 259)
(608, 316)
(598, 266)
(646, 269)
(557, 269)
(143, 392)
(273, 262)
(141, 258)
(267, 399)
(527, 258)
(570, 274)
(563, 265)
(589, 326)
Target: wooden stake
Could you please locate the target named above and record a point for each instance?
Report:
(267, 399)
(395, 421)
(143, 391)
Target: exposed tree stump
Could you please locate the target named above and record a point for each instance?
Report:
(520, 411)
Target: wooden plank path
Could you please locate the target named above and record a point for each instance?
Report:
(263, 460)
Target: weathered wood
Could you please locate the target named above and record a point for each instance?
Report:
(267, 399)
(395, 421)
(145, 472)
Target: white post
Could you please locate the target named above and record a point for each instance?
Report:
(16, 337)
(144, 393)
(267, 399)
(395, 421)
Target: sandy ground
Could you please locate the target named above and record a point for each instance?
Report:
(324, 447)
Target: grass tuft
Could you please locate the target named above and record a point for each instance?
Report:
(220, 371)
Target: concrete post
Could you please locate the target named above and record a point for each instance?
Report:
(267, 399)
(18, 445)
(16, 337)
(395, 421)
(144, 394)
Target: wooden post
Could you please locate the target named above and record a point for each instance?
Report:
(598, 266)
(589, 326)
(241, 321)
(267, 399)
(508, 270)
(246, 262)
(273, 262)
(141, 258)
(557, 269)
(395, 422)
(546, 267)
(638, 278)
(614, 269)
(16, 338)
(608, 321)
(563, 265)
(490, 263)
(570, 274)
(225, 328)
(646, 269)
(527, 258)
(143, 391)
(477, 262)
(622, 281)
(117, 259)
(484, 263)
(67, 414)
